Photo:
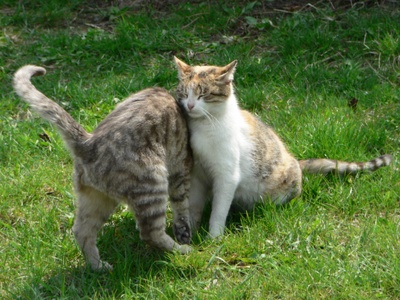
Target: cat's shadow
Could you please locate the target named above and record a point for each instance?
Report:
(134, 262)
(234, 221)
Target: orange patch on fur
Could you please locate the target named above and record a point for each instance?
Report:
(250, 120)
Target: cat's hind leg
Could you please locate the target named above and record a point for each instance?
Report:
(288, 185)
(93, 210)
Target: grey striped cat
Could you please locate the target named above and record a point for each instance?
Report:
(236, 156)
(139, 154)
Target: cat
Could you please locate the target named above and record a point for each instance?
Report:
(139, 154)
(236, 155)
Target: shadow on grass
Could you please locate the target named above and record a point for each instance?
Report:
(238, 216)
(138, 268)
(135, 266)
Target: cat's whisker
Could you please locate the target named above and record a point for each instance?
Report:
(213, 120)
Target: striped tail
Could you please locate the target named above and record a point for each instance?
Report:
(73, 134)
(325, 166)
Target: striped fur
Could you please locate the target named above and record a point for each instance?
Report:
(326, 166)
(139, 154)
(238, 157)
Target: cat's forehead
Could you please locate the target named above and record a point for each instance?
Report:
(202, 73)
(205, 70)
(200, 78)
(203, 79)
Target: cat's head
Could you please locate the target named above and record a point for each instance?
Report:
(204, 90)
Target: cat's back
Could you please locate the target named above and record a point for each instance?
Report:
(149, 121)
(152, 111)
(262, 135)
(152, 105)
(146, 133)
(150, 97)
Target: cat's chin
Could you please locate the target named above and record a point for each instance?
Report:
(195, 115)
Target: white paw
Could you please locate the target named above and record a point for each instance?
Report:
(216, 233)
(102, 266)
(184, 249)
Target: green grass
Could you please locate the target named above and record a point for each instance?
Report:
(297, 71)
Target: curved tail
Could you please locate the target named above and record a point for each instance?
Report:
(325, 166)
(73, 133)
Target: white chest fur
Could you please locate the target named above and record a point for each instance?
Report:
(223, 148)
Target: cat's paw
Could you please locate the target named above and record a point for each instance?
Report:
(182, 231)
(216, 233)
(102, 266)
(214, 237)
(184, 249)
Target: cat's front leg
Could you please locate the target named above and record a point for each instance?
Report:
(179, 199)
(223, 192)
(197, 199)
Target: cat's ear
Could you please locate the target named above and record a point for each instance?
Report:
(183, 68)
(227, 73)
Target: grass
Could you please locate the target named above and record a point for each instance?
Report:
(297, 71)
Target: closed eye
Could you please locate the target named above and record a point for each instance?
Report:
(182, 96)
(217, 94)
(211, 99)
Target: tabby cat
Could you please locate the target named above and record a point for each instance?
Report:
(139, 154)
(236, 155)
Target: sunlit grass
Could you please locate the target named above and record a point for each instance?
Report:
(297, 71)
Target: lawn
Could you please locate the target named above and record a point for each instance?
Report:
(325, 76)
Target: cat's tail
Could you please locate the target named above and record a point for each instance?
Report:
(325, 166)
(73, 133)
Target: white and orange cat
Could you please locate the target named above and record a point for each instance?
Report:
(238, 157)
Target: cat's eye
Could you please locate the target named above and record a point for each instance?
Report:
(217, 94)
(182, 96)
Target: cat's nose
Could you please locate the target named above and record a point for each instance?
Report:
(190, 106)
